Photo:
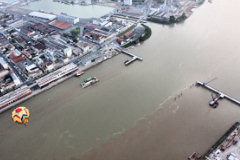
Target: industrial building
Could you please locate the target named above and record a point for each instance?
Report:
(68, 69)
(68, 19)
(42, 15)
(14, 96)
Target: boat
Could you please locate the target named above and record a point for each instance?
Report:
(195, 156)
(79, 73)
(89, 81)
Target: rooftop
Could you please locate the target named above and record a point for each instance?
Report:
(43, 15)
(59, 24)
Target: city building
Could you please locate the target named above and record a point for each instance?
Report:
(49, 66)
(68, 52)
(3, 74)
(3, 63)
(127, 2)
(68, 19)
(32, 69)
(17, 56)
(88, 2)
(15, 79)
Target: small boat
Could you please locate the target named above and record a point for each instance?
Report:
(79, 73)
(89, 81)
(195, 156)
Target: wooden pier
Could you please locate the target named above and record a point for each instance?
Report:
(222, 95)
(134, 57)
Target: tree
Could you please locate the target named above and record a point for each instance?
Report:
(65, 35)
(75, 40)
(20, 47)
(75, 32)
(172, 19)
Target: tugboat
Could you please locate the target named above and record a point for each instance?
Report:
(195, 156)
(79, 73)
(89, 81)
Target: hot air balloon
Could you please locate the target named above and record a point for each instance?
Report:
(21, 115)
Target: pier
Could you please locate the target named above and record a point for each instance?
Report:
(221, 94)
(134, 57)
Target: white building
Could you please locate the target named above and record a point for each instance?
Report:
(32, 69)
(3, 63)
(42, 15)
(88, 2)
(16, 80)
(128, 2)
(68, 19)
(49, 66)
(68, 52)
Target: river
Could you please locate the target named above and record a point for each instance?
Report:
(72, 10)
(67, 121)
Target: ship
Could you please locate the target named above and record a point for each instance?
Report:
(79, 73)
(89, 81)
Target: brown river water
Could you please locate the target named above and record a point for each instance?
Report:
(131, 113)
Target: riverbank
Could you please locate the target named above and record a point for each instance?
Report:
(230, 131)
(51, 85)
(172, 19)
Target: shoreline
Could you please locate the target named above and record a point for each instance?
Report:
(174, 20)
(221, 140)
(51, 85)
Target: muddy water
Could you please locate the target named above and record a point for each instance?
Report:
(67, 121)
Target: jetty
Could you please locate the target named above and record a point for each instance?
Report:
(221, 94)
(134, 57)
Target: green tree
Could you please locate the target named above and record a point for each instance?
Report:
(172, 19)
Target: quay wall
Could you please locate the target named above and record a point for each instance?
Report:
(221, 140)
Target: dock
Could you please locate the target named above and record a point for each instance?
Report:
(222, 95)
(226, 144)
(134, 57)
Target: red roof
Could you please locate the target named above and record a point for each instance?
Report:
(17, 59)
(90, 27)
(20, 39)
(120, 40)
(128, 33)
(59, 24)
